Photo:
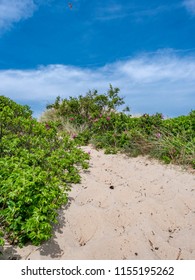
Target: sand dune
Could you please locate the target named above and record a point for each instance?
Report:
(125, 208)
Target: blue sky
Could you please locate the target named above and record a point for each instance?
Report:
(145, 47)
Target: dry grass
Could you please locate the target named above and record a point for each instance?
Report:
(65, 125)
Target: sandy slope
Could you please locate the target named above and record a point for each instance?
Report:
(125, 208)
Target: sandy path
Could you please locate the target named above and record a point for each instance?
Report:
(125, 208)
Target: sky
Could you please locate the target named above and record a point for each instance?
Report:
(146, 48)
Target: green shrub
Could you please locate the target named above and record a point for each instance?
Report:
(37, 170)
(84, 109)
(170, 140)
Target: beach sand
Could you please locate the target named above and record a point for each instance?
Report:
(124, 208)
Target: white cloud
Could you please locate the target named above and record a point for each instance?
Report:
(190, 6)
(12, 11)
(110, 11)
(113, 10)
(150, 83)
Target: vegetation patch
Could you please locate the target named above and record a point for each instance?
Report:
(95, 118)
(39, 160)
(37, 170)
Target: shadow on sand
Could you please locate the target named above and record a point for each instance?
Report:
(9, 253)
(51, 247)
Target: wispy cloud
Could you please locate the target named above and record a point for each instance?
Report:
(12, 11)
(112, 10)
(162, 82)
(190, 6)
(115, 10)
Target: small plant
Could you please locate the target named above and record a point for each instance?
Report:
(177, 148)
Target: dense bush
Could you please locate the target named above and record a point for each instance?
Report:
(84, 109)
(94, 119)
(37, 169)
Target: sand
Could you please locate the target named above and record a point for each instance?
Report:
(124, 208)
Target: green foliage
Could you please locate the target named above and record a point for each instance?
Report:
(84, 109)
(176, 145)
(171, 140)
(40, 160)
(37, 170)
(181, 125)
(148, 124)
